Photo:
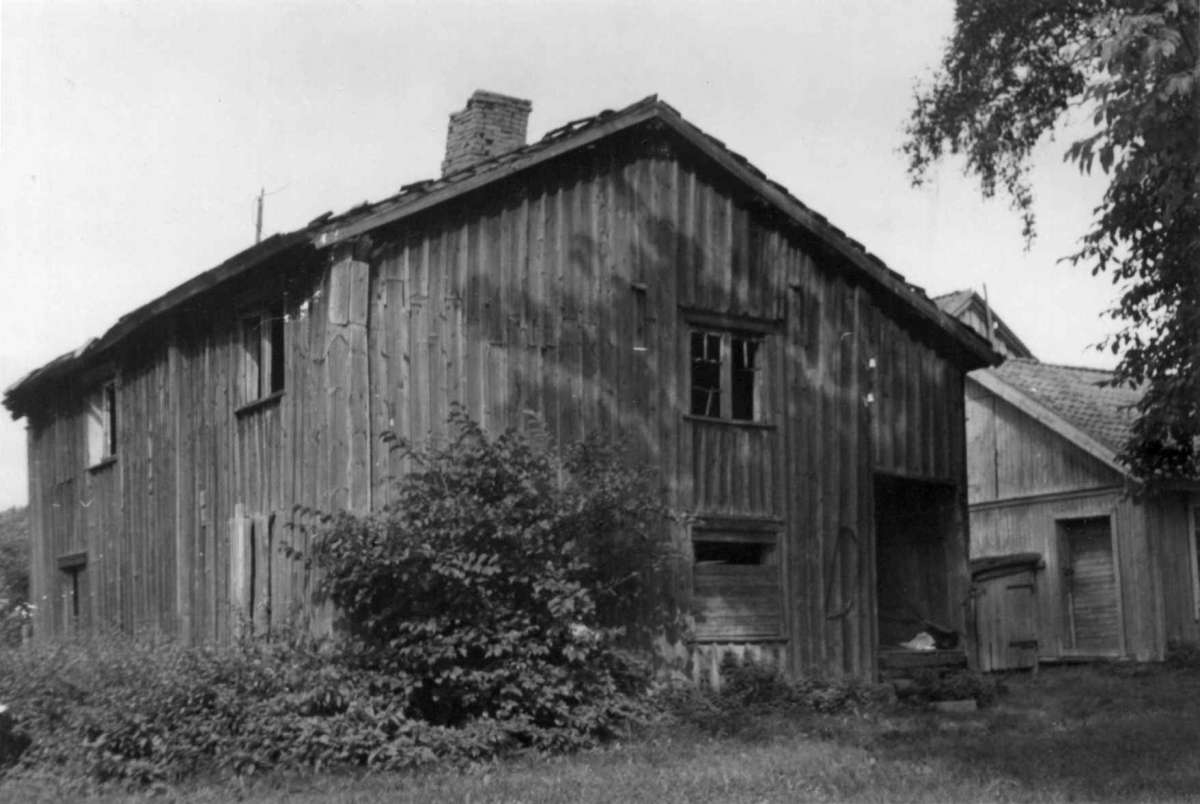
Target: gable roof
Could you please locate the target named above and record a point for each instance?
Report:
(971, 308)
(1075, 402)
(15, 396)
(971, 350)
(974, 350)
(1080, 395)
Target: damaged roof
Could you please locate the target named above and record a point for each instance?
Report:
(329, 229)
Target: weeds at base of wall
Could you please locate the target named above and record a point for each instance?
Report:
(1183, 655)
(122, 715)
(484, 610)
(752, 693)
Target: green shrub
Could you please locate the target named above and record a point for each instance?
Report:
(495, 580)
(132, 715)
(480, 611)
(14, 575)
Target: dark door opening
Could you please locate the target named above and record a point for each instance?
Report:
(912, 521)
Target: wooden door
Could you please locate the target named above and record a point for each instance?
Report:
(1090, 584)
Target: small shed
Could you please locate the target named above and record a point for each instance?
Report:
(1005, 594)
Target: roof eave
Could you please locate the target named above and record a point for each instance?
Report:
(1050, 418)
(973, 352)
(16, 396)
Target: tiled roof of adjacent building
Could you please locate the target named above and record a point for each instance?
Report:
(1082, 396)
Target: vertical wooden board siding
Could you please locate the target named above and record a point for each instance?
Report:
(434, 330)
(798, 615)
(378, 353)
(1033, 527)
(844, 549)
(1168, 524)
(1017, 455)
(666, 197)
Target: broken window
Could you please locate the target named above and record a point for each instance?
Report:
(725, 374)
(262, 370)
(102, 424)
(735, 584)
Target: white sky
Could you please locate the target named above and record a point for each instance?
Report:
(134, 137)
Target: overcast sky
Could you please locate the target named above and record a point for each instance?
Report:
(134, 137)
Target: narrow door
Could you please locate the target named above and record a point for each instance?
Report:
(1090, 584)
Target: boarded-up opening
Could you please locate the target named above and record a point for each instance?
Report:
(1089, 585)
(250, 548)
(912, 519)
(736, 585)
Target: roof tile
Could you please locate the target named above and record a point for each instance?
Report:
(1082, 396)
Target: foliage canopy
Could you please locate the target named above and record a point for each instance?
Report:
(495, 579)
(1011, 74)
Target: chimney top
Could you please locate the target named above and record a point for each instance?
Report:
(491, 124)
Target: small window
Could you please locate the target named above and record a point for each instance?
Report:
(262, 370)
(102, 424)
(72, 565)
(725, 375)
(735, 584)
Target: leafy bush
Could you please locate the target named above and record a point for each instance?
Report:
(134, 714)
(494, 582)
(480, 613)
(14, 575)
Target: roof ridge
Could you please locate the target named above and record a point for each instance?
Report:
(1067, 366)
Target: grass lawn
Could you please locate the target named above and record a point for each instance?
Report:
(1096, 733)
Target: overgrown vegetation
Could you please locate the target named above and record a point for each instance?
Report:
(752, 693)
(480, 615)
(492, 584)
(138, 714)
(14, 575)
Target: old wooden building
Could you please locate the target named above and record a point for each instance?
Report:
(1119, 575)
(628, 274)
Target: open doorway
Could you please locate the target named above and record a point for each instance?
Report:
(912, 522)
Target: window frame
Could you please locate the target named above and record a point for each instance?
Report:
(262, 355)
(102, 435)
(731, 330)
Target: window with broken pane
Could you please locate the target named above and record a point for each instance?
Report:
(706, 374)
(725, 381)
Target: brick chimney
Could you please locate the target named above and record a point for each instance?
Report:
(492, 124)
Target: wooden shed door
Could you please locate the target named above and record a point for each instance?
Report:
(1091, 585)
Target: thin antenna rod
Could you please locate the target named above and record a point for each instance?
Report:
(258, 215)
